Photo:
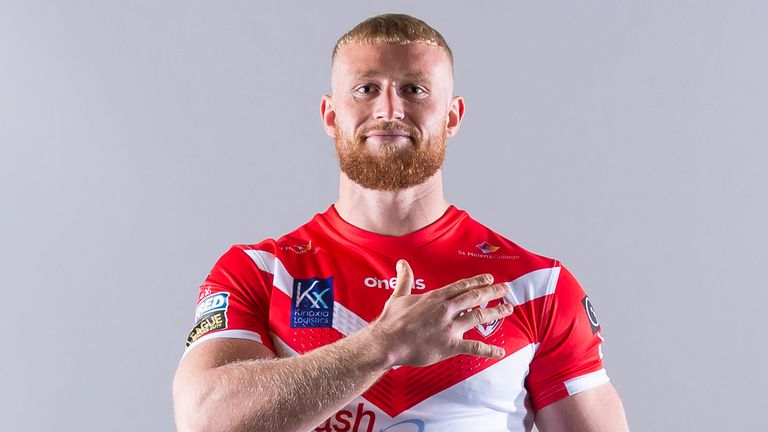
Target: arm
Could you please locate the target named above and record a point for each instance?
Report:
(596, 410)
(239, 385)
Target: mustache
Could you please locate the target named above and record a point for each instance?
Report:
(390, 126)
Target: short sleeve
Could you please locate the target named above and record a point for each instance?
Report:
(569, 357)
(233, 301)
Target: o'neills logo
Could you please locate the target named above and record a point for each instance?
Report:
(387, 284)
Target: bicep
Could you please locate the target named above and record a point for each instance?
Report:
(595, 410)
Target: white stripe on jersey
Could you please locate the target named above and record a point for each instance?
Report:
(492, 407)
(586, 382)
(532, 285)
(346, 321)
(265, 261)
(228, 334)
(283, 350)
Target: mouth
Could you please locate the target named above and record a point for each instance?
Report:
(387, 133)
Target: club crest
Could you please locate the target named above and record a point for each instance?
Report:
(489, 328)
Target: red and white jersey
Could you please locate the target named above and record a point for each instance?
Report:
(328, 279)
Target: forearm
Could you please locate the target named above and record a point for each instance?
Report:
(290, 394)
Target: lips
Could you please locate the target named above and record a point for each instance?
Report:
(387, 134)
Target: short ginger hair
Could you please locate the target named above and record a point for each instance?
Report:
(399, 29)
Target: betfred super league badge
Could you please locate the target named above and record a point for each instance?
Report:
(210, 315)
(312, 303)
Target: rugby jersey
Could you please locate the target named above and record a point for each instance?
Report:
(328, 279)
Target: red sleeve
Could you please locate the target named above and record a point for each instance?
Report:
(233, 301)
(568, 359)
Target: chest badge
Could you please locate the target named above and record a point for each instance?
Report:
(489, 328)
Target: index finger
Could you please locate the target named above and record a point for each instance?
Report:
(463, 285)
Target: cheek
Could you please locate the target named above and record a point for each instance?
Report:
(350, 116)
(435, 121)
(345, 127)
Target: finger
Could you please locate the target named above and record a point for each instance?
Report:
(480, 349)
(404, 279)
(477, 296)
(461, 286)
(479, 316)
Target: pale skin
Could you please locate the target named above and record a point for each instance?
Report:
(239, 385)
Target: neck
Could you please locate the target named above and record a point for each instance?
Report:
(392, 213)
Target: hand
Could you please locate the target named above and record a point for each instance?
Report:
(419, 330)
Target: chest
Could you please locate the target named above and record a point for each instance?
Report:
(317, 300)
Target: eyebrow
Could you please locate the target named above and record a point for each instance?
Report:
(414, 76)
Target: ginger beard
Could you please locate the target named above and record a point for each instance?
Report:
(390, 166)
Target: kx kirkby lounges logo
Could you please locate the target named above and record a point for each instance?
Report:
(312, 303)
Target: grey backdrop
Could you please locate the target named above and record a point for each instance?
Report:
(138, 140)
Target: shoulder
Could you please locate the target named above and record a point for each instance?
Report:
(263, 253)
(492, 243)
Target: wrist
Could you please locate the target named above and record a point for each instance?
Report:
(375, 348)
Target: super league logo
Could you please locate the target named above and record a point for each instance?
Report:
(312, 303)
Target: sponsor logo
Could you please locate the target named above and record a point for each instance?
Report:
(387, 284)
(410, 425)
(591, 315)
(205, 292)
(486, 247)
(211, 303)
(312, 303)
(216, 320)
(362, 420)
(210, 314)
(488, 252)
(301, 249)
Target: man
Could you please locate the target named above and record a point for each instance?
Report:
(393, 310)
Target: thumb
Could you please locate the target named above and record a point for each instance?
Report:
(404, 279)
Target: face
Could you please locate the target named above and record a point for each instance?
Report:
(391, 112)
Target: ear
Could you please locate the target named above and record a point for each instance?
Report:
(328, 115)
(455, 114)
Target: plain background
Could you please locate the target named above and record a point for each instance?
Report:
(138, 140)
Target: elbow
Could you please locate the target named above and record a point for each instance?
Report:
(194, 406)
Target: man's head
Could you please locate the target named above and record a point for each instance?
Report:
(392, 106)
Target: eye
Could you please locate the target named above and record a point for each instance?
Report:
(364, 89)
(416, 90)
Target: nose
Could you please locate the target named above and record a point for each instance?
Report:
(389, 105)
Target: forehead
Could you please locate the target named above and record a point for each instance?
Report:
(355, 60)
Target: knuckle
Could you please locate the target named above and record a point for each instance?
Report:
(476, 347)
(479, 315)
(444, 309)
(450, 326)
(454, 346)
